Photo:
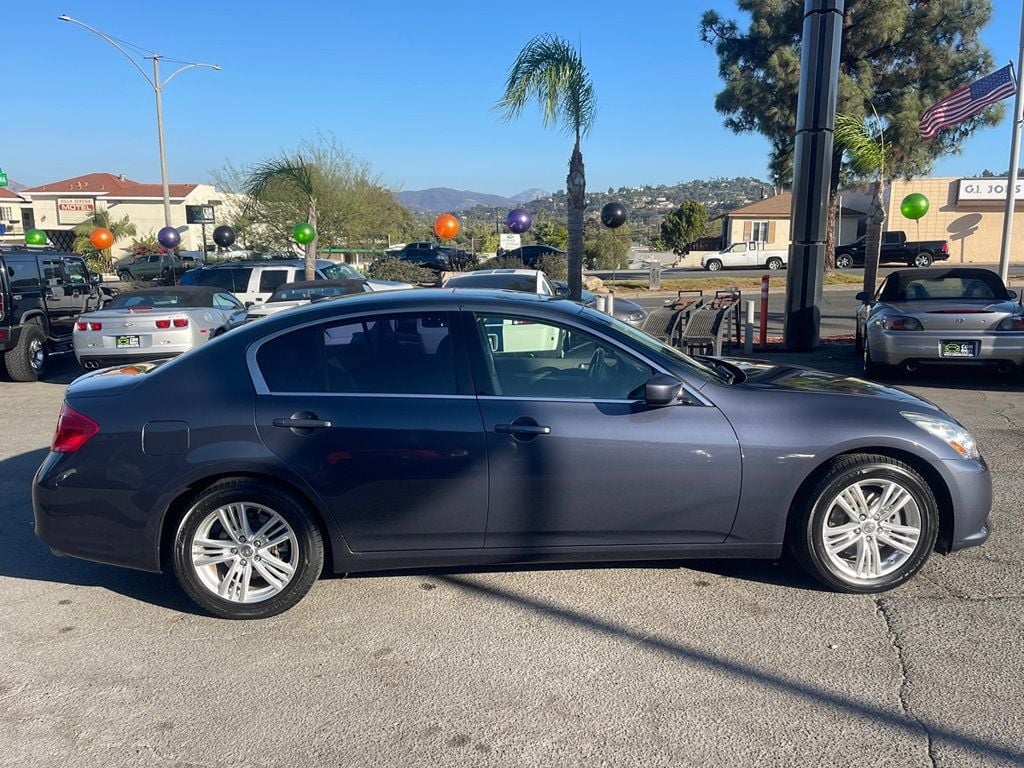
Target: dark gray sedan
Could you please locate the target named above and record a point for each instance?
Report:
(446, 427)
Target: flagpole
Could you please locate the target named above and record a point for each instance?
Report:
(1011, 182)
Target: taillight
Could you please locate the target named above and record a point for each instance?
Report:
(163, 323)
(901, 323)
(81, 326)
(1011, 324)
(73, 430)
(945, 247)
(95, 326)
(181, 322)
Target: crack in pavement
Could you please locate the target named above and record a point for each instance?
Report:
(901, 692)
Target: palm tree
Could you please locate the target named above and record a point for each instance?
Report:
(867, 157)
(101, 218)
(271, 176)
(551, 71)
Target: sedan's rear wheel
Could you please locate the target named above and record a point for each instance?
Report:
(922, 260)
(247, 550)
(867, 526)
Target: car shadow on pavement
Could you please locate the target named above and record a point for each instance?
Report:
(844, 703)
(23, 556)
(60, 369)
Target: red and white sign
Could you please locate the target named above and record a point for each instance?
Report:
(74, 210)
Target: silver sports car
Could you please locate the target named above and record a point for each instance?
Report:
(154, 323)
(957, 316)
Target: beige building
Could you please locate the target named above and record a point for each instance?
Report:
(767, 223)
(966, 212)
(57, 207)
(12, 215)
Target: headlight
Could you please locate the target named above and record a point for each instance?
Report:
(1011, 324)
(900, 323)
(951, 433)
(636, 317)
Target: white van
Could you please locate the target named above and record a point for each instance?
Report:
(745, 255)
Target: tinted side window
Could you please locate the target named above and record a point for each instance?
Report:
(271, 278)
(234, 279)
(223, 301)
(22, 274)
(392, 354)
(76, 273)
(526, 358)
(53, 273)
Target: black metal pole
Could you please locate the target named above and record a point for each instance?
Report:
(812, 170)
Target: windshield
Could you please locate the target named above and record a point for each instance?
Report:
(977, 285)
(303, 294)
(341, 271)
(650, 343)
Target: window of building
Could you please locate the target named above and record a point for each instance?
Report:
(759, 231)
(6, 213)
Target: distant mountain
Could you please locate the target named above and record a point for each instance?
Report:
(439, 199)
(529, 195)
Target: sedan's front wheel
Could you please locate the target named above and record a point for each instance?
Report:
(247, 550)
(867, 526)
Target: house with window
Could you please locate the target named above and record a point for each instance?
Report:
(13, 208)
(767, 223)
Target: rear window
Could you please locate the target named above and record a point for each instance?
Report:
(521, 283)
(22, 274)
(340, 271)
(233, 279)
(301, 294)
(976, 286)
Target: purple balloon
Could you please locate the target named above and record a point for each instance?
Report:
(518, 220)
(168, 237)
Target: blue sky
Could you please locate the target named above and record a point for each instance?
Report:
(407, 86)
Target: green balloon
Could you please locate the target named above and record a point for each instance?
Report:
(35, 237)
(914, 206)
(304, 233)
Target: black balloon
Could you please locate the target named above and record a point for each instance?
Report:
(613, 215)
(224, 235)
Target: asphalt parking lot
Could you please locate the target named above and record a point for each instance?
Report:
(696, 663)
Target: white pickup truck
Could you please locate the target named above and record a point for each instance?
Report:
(742, 255)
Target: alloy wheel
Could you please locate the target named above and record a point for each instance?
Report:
(36, 355)
(871, 529)
(244, 552)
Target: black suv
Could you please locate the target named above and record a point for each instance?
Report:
(42, 293)
(531, 255)
(439, 258)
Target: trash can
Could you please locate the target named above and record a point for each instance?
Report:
(654, 279)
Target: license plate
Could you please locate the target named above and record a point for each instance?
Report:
(126, 341)
(958, 349)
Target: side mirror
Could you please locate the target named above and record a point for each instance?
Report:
(1011, 294)
(562, 291)
(95, 279)
(862, 297)
(662, 389)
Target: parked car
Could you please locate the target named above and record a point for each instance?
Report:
(531, 255)
(302, 292)
(163, 267)
(625, 310)
(524, 280)
(955, 316)
(895, 249)
(154, 324)
(420, 428)
(42, 292)
(254, 280)
(439, 258)
(743, 255)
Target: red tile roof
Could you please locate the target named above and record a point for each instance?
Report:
(6, 194)
(111, 186)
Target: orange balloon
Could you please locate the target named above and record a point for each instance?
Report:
(101, 238)
(446, 226)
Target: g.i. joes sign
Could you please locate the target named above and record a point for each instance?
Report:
(74, 210)
(986, 189)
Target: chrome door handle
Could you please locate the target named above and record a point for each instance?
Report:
(521, 429)
(302, 423)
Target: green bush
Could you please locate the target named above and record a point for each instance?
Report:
(390, 268)
(554, 266)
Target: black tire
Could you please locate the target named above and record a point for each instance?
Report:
(873, 370)
(806, 541)
(28, 360)
(844, 261)
(774, 263)
(858, 342)
(922, 260)
(124, 276)
(308, 561)
(714, 265)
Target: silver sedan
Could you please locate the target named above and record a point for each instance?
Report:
(154, 323)
(958, 316)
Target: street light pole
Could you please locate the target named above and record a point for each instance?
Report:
(158, 87)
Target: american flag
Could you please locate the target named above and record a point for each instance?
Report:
(967, 101)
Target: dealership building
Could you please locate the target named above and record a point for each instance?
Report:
(59, 206)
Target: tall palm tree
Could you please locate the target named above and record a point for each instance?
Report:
(101, 218)
(868, 158)
(291, 174)
(551, 71)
